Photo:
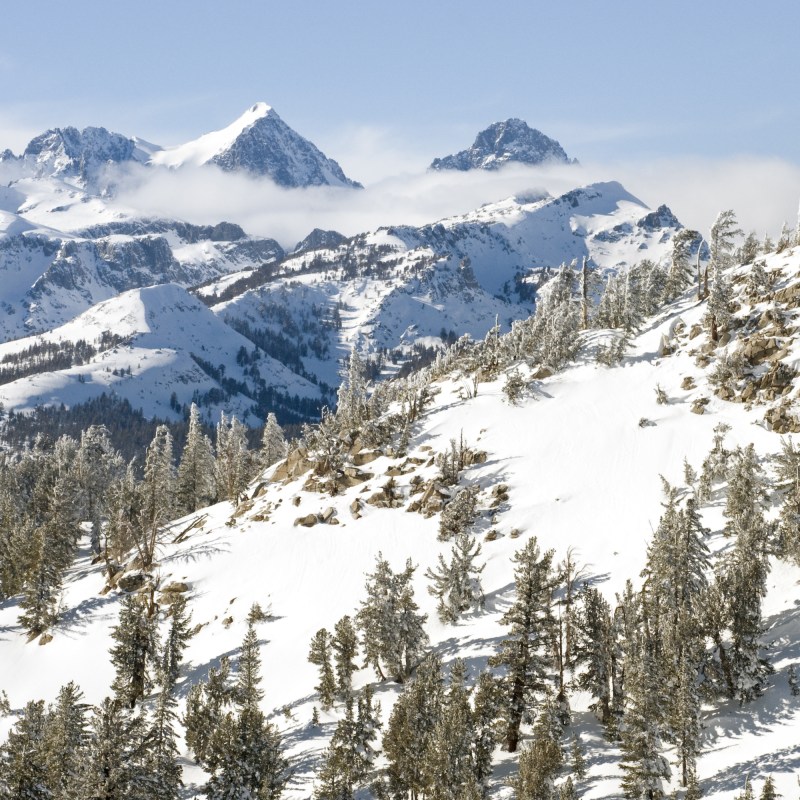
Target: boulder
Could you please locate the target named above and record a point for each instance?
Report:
(308, 521)
(132, 581)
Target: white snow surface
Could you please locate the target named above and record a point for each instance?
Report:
(201, 150)
(581, 473)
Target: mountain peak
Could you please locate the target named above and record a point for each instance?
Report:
(260, 143)
(511, 140)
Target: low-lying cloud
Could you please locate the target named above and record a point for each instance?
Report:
(763, 192)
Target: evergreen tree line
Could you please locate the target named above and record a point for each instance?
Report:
(126, 748)
(53, 487)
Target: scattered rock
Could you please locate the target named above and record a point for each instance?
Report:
(132, 581)
(541, 372)
(699, 405)
(366, 457)
(308, 521)
(695, 331)
(328, 514)
(355, 508)
(45, 638)
(688, 383)
(176, 586)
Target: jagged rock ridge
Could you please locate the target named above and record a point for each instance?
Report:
(510, 141)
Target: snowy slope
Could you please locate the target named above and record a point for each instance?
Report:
(50, 277)
(162, 328)
(581, 471)
(398, 287)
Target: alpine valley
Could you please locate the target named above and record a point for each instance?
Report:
(502, 505)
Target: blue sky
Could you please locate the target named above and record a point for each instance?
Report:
(385, 87)
(606, 79)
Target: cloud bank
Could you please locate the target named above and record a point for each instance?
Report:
(763, 193)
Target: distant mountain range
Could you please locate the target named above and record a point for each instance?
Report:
(258, 143)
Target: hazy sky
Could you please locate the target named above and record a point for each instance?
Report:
(384, 88)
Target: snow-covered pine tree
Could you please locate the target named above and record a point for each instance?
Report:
(273, 443)
(540, 761)
(246, 757)
(134, 651)
(97, 465)
(352, 406)
(487, 703)
(449, 759)
(592, 649)
(679, 274)
(23, 771)
(320, 656)
(391, 626)
(644, 767)
(206, 708)
(157, 491)
(344, 644)
(459, 514)
(457, 584)
(410, 730)
(525, 653)
(723, 235)
(65, 740)
(196, 479)
(233, 465)
(114, 761)
(715, 464)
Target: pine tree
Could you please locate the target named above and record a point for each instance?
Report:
(794, 683)
(65, 741)
(392, 630)
(134, 652)
(273, 443)
(410, 729)
(539, 761)
(459, 514)
(244, 753)
(320, 656)
(114, 764)
(233, 459)
(23, 772)
(768, 791)
(337, 777)
(344, 644)
(487, 703)
(525, 654)
(643, 766)
(206, 705)
(97, 465)
(723, 233)
(578, 759)
(196, 484)
(448, 763)
(352, 406)
(42, 587)
(679, 275)
(157, 492)
(457, 584)
(124, 512)
(593, 649)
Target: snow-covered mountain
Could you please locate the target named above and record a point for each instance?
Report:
(511, 141)
(576, 462)
(395, 291)
(159, 348)
(70, 153)
(259, 143)
(398, 289)
(50, 277)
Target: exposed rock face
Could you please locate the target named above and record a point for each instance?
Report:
(268, 146)
(80, 154)
(503, 142)
(319, 239)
